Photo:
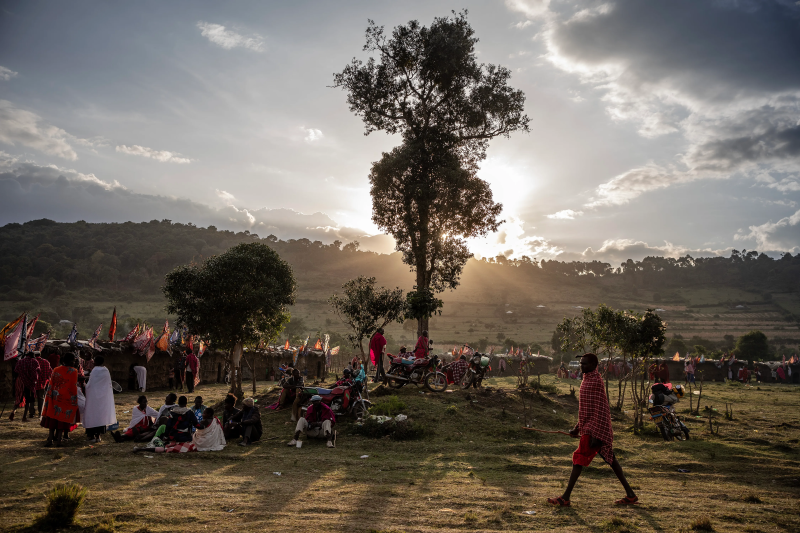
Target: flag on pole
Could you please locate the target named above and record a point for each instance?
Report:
(295, 355)
(287, 346)
(93, 340)
(13, 338)
(32, 325)
(328, 358)
(318, 345)
(677, 356)
(112, 328)
(202, 349)
(132, 335)
(335, 351)
(36, 345)
(9, 328)
(175, 337)
(73, 335)
(163, 341)
(327, 344)
(141, 341)
(151, 346)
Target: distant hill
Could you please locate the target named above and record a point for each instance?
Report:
(79, 271)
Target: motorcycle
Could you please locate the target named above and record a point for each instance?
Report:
(663, 414)
(424, 371)
(342, 399)
(478, 364)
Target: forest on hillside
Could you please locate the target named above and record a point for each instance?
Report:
(43, 262)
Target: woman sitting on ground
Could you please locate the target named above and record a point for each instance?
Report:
(141, 427)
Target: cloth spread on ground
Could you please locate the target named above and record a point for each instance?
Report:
(61, 401)
(376, 347)
(210, 439)
(141, 377)
(142, 419)
(99, 399)
(594, 415)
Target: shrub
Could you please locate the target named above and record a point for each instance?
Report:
(63, 503)
(701, 524)
(405, 430)
(451, 410)
(389, 406)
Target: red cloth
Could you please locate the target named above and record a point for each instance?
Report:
(192, 363)
(45, 371)
(421, 349)
(61, 401)
(376, 345)
(459, 368)
(19, 393)
(28, 370)
(319, 413)
(585, 453)
(594, 415)
(54, 359)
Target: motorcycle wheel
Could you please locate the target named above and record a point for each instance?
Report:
(436, 382)
(360, 410)
(685, 431)
(665, 433)
(466, 381)
(395, 384)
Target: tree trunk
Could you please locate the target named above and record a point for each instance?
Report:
(235, 362)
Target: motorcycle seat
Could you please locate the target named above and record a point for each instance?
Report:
(407, 361)
(324, 392)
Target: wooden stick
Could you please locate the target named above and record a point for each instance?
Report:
(547, 431)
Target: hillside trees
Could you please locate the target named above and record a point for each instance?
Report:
(234, 299)
(428, 87)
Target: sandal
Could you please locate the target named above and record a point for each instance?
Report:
(561, 502)
(627, 500)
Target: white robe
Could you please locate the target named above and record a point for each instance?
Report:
(137, 415)
(141, 377)
(100, 410)
(210, 439)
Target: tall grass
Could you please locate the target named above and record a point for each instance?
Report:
(63, 503)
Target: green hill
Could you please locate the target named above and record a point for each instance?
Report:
(80, 272)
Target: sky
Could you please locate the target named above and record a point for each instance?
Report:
(656, 128)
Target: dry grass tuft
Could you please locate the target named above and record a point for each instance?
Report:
(63, 503)
(752, 498)
(701, 524)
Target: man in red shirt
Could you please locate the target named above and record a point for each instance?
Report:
(318, 422)
(377, 347)
(45, 371)
(595, 433)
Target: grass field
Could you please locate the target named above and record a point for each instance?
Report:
(474, 469)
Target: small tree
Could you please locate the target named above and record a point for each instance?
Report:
(234, 299)
(752, 346)
(365, 308)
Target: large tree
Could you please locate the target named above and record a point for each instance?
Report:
(428, 87)
(234, 299)
(365, 308)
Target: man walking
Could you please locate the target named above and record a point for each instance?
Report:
(595, 433)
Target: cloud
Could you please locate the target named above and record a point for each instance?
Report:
(159, 155)
(617, 251)
(225, 195)
(783, 235)
(229, 39)
(566, 214)
(511, 241)
(312, 135)
(721, 75)
(18, 126)
(31, 191)
(6, 73)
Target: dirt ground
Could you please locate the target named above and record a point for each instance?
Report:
(475, 469)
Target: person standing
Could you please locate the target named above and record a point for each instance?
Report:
(179, 370)
(27, 369)
(377, 349)
(192, 373)
(45, 372)
(595, 433)
(423, 344)
(690, 371)
(60, 414)
(99, 411)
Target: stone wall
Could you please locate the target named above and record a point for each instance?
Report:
(120, 356)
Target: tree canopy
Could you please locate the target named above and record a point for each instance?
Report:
(428, 86)
(365, 308)
(238, 297)
(752, 346)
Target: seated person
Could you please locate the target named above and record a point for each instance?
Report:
(246, 423)
(458, 369)
(347, 379)
(289, 394)
(169, 403)
(359, 376)
(229, 411)
(209, 435)
(198, 408)
(141, 427)
(318, 422)
(180, 423)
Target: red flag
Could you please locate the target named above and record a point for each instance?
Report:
(191, 343)
(132, 335)
(318, 345)
(10, 327)
(286, 346)
(151, 348)
(32, 325)
(112, 329)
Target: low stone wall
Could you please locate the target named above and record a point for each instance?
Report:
(120, 356)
